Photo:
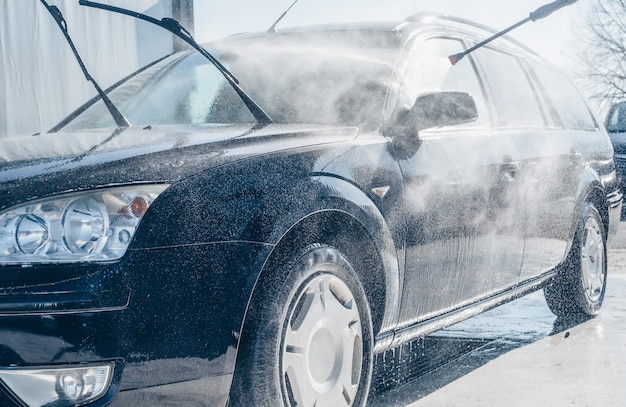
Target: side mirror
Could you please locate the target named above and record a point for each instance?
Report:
(443, 109)
(430, 110)
(616, 120)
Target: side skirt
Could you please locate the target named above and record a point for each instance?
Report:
(386, 341)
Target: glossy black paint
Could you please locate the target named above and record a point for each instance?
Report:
(470, 219)
(230, 218)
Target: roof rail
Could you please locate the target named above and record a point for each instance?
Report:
(428, 16)
(432, 16)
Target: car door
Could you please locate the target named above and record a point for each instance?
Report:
(554, 161)
(464, 236)
(522, 115)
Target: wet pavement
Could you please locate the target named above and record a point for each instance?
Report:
(518, 354)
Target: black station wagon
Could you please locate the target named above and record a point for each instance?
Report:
(258, 239)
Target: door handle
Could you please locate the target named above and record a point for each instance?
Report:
(509, 168)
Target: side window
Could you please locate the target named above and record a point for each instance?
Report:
(616, 121)
(568, 102)
(429, 70)
(513, 95)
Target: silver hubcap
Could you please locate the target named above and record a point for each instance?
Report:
(322, 349)
(592, 260)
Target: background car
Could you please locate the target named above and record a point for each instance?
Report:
(616, 126)
(258, 241)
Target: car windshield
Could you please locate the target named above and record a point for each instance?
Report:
(294, 81)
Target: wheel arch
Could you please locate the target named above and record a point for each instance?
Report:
(350, 237)
(324, 209)
(591, 190)
(575, 291)
(342, 231)
(597, 197)
(336, 212)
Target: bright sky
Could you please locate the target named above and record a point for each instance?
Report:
(550, 37)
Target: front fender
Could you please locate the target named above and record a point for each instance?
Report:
(329, 196)
(261, 200)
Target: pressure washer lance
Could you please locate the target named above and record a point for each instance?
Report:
(541, 12)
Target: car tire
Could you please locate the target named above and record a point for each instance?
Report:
(579, 288)
(312, 338)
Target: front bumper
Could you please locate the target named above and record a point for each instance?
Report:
(167, 318)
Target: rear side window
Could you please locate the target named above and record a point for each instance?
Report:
(568, 102)
(513, 95)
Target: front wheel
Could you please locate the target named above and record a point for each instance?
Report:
(579, 289)
(312, 339)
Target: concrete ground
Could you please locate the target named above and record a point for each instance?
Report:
(521, 355)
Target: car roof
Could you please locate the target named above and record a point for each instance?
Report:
(397, 32)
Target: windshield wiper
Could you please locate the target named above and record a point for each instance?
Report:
(119, 118)
(177, 29)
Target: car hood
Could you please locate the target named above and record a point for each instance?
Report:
(54, 163)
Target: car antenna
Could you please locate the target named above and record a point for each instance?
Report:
(177, 29)
(272, 29)
(541, 12)
(119, 118)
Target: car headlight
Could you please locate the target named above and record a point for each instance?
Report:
(88, 226)
(59, 386)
